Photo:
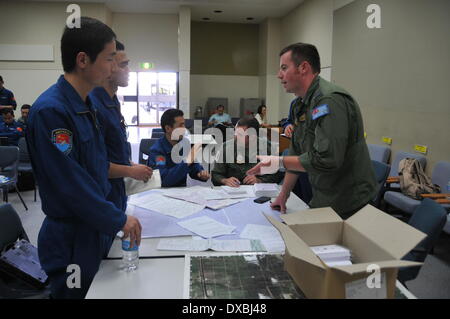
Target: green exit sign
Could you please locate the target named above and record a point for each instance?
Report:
(147, 65)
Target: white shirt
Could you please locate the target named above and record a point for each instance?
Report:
(260, 120)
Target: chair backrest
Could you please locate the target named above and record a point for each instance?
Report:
(441, 175)
(144, 148)
(11, 227)
(429, 217)
(381, 174)
(401, 155)
(157, 129)
(9, 157)
(189, 123)
(24, 156)
(156, 134)
(379, 153)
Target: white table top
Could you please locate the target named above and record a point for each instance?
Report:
(148, 245)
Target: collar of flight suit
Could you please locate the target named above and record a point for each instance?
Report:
(310, 94)
(106, 99)
(79, 106)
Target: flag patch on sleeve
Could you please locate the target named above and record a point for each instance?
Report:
(320, 111)
(62, 139)
(160, 160)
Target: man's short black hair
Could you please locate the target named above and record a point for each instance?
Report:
(1, 78)
(219, 106)
(8, 111)
(119, 46)
(25, 107)
(249, 122)
(304, 52)
(91, 38)
(168, 118)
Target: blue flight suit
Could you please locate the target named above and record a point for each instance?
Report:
(7, 98)
(13, 132)
(70, 164)
(172, 174)
(114, 131)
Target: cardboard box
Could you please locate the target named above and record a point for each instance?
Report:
(374, 238)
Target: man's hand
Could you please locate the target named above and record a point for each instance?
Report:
(232, 182)
(133, 229)
(203, 175)
(267, 165)
(280, 202)
(193, 153)
(140, 172)
(289, 130)
(251, 180)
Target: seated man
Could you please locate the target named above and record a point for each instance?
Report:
(25, 109)
(242, 150)
(10, 128)
(220, 117)
(173, 173)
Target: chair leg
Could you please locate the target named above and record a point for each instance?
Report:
(20, 196)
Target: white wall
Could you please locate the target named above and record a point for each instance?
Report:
(149, 38)
(36, 23)
(311, 22)
(231, 86)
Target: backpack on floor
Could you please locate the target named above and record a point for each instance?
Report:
(413, 180)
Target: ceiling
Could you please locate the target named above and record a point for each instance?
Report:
(233, 11)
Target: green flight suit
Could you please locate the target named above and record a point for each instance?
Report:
(329, 139)
(241, 163)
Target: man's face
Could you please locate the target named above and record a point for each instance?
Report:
(220, 110)
(8, 118)
(178, 127)
(25, 113)
(100, 70)
(121, 70)
(289, 74)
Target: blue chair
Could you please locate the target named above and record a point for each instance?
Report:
(24, 166)
(9, 161)
(379, 153)
(429, 217)
(381, 173)
(157, 134)
(440, 176)
(144, 148)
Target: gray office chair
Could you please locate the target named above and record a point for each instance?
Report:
(398, 157)
(11, 230)
(381, 174)
(24, 166)
(429, 217)
(379, 153)
(144, 148)
(440, 176)
(9, 162)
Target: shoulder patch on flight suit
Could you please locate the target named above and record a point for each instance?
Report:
(320, 111)
(160, 160)
(62, 138)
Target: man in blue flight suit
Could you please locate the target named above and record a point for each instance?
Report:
(10, 128)
(70, 164)
(7, 100)
(114, 131)
(173, 171)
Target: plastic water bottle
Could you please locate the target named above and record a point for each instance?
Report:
(130, 256)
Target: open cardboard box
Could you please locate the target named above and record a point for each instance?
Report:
(372, 236)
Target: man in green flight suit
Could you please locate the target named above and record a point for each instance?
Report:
(238, 155)
(328, 140)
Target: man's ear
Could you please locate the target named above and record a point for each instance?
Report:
(82, 60)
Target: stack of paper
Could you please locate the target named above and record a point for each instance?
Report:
(199, 244)
(333, 255)
(266, 189)
(206, 227)
(239, 192)
(268, 235)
